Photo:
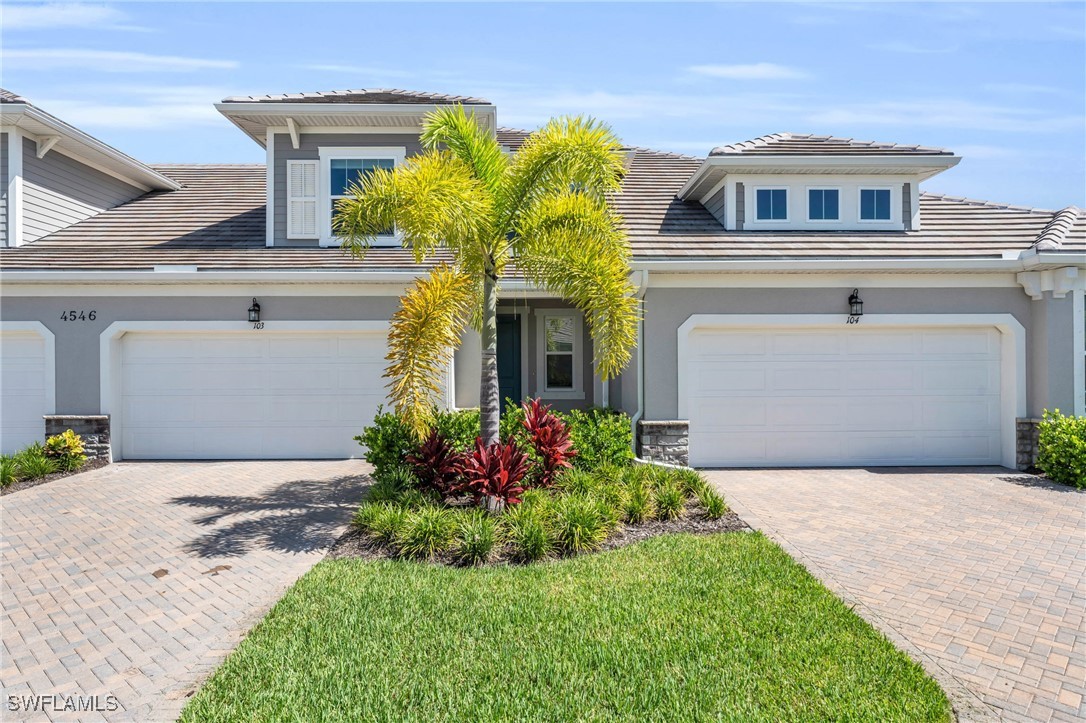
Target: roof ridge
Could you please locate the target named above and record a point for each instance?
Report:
(635, 149)
(989, 204)
(760, 141)
(772, 139)
(317, 94)
(1053, 234)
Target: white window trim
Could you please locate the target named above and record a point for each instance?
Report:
(327, 153)
(787, 203)
(807, 194)
(859, 205)
(577, 390)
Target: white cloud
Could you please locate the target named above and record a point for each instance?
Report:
(65, 15)
(107, 61)
(751, 71)
(947, 113)
(141, 107)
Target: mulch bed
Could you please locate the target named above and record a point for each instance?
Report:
(26, 484)
(355, 544)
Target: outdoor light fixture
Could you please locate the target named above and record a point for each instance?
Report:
(254, 312)
(855, 304)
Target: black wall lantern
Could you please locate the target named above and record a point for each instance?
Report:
(254, 312)
(855, 304)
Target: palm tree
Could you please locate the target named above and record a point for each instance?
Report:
(542, 211)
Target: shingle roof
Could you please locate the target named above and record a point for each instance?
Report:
(217, 223)
(361, 95)
(805, 144)
(6, 96)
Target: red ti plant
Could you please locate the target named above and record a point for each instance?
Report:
(550, 438)
(437, 465)
(493, 474)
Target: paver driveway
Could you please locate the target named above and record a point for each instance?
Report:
(137, 579)
(979, 574)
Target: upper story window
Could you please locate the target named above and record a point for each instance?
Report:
(874, 204)
(823, 204)
(340, 168)
(771, 204)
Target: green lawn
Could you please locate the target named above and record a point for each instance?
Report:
(678, 627)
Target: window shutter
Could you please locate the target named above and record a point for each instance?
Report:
(302, 199)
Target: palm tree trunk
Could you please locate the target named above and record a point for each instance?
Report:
(489, 402)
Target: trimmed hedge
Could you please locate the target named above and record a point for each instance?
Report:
(1061, 451)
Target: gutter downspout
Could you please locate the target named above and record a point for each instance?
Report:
(641, 284)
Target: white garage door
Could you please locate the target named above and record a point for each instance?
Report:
(255, 395)
(24, 389)
(812, 397)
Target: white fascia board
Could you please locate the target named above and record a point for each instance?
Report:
(125, 165)
(921, 166)
(821, 265)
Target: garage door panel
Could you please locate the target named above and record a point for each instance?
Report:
(729, 344)
(839, 397)
(249, 396)
(24, 389)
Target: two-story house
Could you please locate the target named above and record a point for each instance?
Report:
(805, 302)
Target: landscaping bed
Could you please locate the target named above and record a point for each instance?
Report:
(678, 627)
(21, 485)
(61, 456)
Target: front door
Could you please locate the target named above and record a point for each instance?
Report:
(509, 358)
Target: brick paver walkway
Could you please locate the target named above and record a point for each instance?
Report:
(137, 579)
(980, 574)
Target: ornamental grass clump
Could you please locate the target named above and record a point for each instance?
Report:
(690, 481)
(382, 522)
(581, 523)
(32, 462)
(426, 533)
(713, 502)
(9, 470)
(670, 500)
(476, 538)
(527, 531)
(640, 503)
(389, 485)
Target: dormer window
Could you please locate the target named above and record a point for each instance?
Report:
(340, 168)
(823, 204)
(772, 204)
(874, 204)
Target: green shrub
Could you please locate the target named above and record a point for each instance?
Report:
(426, 533)
(580, 523)
(9, 470)
(527, 531)
(459, 428)
(670, 500)
(383, 522)
(1062, 448)
(713, 502)
(388, 441)
(476, 538)
(601, 437)
(33, 463)
(67, 450)
(640, 503)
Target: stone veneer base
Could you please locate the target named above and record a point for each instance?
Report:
(664, 441)
(93, 428)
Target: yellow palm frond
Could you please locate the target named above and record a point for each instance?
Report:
(572, 244)
(461, 133)
(421, 339)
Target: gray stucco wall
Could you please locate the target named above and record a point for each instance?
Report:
(3, 189)
(77, 343)
(667, 308)
(716, 205)
(59, 191)
(309, 149)
(1052, 384)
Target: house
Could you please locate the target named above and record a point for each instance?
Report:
(205, 311)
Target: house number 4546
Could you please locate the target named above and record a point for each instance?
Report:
(81, 315)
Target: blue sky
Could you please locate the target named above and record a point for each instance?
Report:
(1003, 84)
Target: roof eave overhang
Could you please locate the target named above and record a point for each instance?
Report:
(714, 168)
(246, 115)
(1009, 262)
(84, 147)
